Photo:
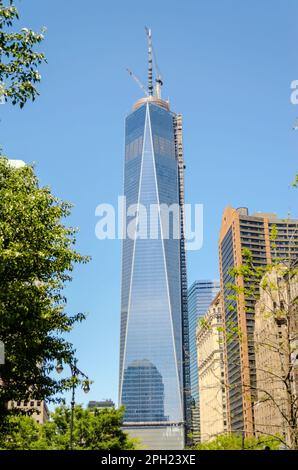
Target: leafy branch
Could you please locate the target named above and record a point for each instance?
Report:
(19, 61)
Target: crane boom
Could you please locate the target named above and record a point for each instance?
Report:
(151, 62)
(138, 81)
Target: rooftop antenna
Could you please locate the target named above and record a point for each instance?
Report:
(150, 81)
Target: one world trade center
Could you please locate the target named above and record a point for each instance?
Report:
(154, 359)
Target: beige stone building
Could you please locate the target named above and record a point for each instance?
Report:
(40, 414)
(213, 420)
(276, 354)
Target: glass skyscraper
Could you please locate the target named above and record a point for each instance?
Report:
(200, 296)
(153, 370)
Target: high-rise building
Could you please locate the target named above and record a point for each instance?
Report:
(266, 237)
(212, 392)
(153, 375)
(200, 296)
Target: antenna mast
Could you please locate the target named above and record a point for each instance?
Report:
(150, 61)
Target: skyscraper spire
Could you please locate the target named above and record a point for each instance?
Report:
(150, 62)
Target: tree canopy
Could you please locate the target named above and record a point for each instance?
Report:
(93, 430)
(237, 442)
(37, 257)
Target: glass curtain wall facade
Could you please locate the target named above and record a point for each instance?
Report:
(151, 339)
(200, 295)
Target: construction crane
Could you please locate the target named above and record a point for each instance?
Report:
(151, 61)
(158, 80)
(138, 81)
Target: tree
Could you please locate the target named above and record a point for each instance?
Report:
(276, 346)
(236, 442)
(295, 182)
(18, 59)
(93, 430)
(21, 433)
(273, 291)
(36, 259)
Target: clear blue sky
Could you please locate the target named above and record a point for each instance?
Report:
(227, 66)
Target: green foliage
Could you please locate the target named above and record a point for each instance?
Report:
(246, 286)
(295, 182)
(236, 442)
(93, 430)
(249, 274)
(273, 232)
(36, 259)
(273, 236)
(203, 323)
(21, 433)
(18, 59)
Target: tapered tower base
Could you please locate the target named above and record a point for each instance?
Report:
(157, 437)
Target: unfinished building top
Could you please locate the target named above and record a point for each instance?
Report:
(153, 100)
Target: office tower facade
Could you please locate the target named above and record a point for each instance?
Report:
(107, 404)
(212, 392)
(276, 355)
(200, 296)
(36, 408)
(153, 351)
(240, 230)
